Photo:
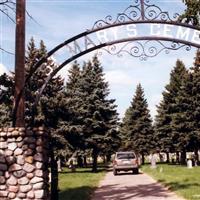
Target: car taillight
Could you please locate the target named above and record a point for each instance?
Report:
(135, 162)
(114, 162)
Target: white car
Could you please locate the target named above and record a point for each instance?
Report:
(125, 161)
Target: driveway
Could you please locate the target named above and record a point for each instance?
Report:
(132, 187)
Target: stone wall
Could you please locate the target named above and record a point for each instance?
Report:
(23, 164)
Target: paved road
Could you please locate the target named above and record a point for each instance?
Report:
(132, 187)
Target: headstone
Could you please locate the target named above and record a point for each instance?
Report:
(189, 164)
(59, 165)
(153, 161)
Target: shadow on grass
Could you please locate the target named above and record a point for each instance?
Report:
(174, 186)
(82, 171)
(87, 170)
(160, 163)
(79, 193)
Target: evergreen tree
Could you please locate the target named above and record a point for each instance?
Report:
(107, 112)
(6, 99)
(97, 113)
(195, 138)
(124, 127)
(70, 124)
(4, 120)
(34, 116)
(182, 119)
(192, 12)
(137, 127)
(167, 140)
(48, 111)
(163, 128)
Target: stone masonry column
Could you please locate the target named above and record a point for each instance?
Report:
(23, 164)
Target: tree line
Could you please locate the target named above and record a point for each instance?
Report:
(176, 128)
(81, 118)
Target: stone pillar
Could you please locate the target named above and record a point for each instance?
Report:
(23, 164)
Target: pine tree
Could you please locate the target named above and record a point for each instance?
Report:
(166, 138)
(34, 116)
(163, 128)
(195, 138)
(182, 120)
(48, 113)
(107, 112)
(137, 126)
(6, 99)
(4, 119)
(192, 12)
(97, 114)
(70, 123)
(124, 128)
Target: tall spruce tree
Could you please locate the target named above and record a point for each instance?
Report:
(47, 112)
(162, 127)
(4, 119)
(6, 99)
(70, 123)
(182, 119)
(35, 117)
(192, 12)
(167, 138)
(97, 113)
(107, 111)
(195, 138)
(137, 129)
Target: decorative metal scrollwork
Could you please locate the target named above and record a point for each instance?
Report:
(139, 11)
(144, 49)
(153, 12)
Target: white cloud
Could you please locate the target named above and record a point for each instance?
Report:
(119, 77)
(125, 73)
(154, 100)
(3, 69)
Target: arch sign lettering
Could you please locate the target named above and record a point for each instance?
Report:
(143, 30)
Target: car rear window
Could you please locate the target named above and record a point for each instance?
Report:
(125, 156)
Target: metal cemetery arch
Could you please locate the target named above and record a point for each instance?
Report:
(136, 45)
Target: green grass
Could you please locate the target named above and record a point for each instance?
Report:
(78, 185)
(183, 181)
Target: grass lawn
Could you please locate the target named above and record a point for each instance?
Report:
(78, 185)
(185, 182)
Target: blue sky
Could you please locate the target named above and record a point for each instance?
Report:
(62, 19)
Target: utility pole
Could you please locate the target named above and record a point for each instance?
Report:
(19, 115)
